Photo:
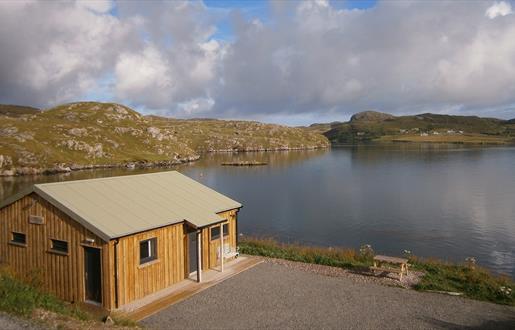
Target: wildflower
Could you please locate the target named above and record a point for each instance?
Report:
(366, 251)
(471, 262)
(505, 290)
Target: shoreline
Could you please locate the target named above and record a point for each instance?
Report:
(67, 168)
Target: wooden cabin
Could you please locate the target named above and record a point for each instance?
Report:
(112, 241)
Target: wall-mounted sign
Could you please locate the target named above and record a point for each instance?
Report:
(36, 220)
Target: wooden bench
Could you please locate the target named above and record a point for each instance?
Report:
(230, 253)
(401, 263)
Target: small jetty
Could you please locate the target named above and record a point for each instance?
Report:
(245, 163)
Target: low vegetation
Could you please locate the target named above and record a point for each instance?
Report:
(21, 296)
(470, 280)
(371, 126)
(16, 110)
(336, 257)
(473, 281)
(91, 134)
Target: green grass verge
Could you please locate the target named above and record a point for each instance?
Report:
(476, 283)
(336, 257)
(20, 296)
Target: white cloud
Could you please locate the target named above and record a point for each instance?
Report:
(498, 9)
(395, 57)
(144, 78)
(53, 52)
(196, 106)
(98, 6)
(306, 60)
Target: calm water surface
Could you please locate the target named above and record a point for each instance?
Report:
(449, 202)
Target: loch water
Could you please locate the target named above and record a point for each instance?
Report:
(444, 201)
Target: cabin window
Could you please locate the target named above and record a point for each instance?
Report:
(215, 231)
(59, 246)
(147, 250)
(19, 238)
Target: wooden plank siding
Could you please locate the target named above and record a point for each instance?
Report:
(135, 281)
(61, 275)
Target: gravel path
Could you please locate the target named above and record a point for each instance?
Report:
(10, 322)
(273, 295)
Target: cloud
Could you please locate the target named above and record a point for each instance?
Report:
(396, 57)
(176, 69)
(498, 9)
(54, 52)
(306, 60)
(97, 6)
(144, 77)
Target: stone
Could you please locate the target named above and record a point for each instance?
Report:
(108, 320)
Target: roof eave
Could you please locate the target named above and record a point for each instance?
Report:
(11, 199)
(72, 214)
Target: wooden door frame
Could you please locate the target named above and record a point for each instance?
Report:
(84, 276)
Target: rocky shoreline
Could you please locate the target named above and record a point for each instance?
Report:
(6, 161)
(65, 168)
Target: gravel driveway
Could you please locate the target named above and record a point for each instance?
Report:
(275, 296)
(11, 322)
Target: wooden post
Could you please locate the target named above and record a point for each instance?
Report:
(222, 247)
(199, 256)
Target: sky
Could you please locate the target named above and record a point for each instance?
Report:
(287, 62)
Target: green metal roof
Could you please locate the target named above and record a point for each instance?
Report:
(118, 206)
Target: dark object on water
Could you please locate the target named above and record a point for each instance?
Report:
(244, 163)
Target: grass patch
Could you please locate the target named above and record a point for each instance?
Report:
(473, 282)
(122, 321)
(21, 296)
(336, 257)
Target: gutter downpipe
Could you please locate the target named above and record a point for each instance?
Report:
(116, 273)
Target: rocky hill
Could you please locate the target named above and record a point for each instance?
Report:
(90, 135)
(208, 135)
(381, 127)
(8, 110)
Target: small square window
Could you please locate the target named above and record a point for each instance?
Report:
(59, 246)
(19, 238)
(215, 231)
(147, 250)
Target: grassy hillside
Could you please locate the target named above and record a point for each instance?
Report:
(375, 126)
(16, 110)
(321, 128)
(220, 135)
(91, 134)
